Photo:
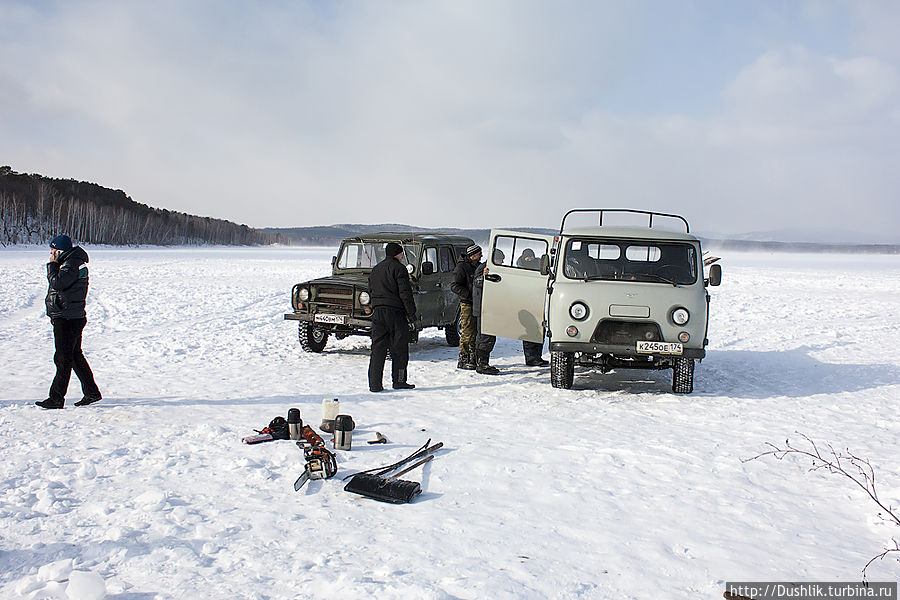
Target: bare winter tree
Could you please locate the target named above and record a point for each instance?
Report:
(34, 208)
(847, 465)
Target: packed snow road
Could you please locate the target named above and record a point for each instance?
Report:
(614, 489)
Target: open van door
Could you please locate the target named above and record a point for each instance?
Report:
(514, 288)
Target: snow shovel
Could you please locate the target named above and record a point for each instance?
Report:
(374, 484)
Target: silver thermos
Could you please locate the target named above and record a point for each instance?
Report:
(343, 431)
(295, 423)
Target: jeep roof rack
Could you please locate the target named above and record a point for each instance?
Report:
(600, 211)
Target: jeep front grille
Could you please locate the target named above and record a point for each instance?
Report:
(334, 295)
(626, 333)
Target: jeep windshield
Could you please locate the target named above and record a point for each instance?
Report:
(365, 255)
(630, 260)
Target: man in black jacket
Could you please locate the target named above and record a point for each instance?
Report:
(67, 276)
(394, 311)
(463, 277)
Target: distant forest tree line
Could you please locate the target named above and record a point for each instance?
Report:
(34, 208)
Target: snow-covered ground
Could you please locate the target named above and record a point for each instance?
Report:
(615, 489)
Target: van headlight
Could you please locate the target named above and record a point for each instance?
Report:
(680, 316)
(578, 311)
(364, 298)
(303, 294)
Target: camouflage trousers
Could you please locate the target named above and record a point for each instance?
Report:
(467, 330)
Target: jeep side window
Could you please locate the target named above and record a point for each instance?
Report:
(431, 256)
(447, 262)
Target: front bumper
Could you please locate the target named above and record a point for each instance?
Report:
(618, 350)
(351, 322)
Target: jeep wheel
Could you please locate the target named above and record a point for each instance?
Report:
(683, 375)
(562, 369)
(451, 332)
(312, 337)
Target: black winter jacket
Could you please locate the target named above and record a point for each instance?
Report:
(389, 286)
(478, 289)
(463, 275)
(68, 279)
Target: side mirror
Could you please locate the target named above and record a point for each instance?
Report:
(427, 268)
(545, 265)
(715, 274)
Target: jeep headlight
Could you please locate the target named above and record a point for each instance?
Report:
(303, 294)
(680, 316)
(364, 298)
(578, 311)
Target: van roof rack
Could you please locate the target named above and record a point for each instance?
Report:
(600, 211)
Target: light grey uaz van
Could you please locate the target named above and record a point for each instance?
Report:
(609, 297)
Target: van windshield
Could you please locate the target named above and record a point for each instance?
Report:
(365, 255)
(630, 260)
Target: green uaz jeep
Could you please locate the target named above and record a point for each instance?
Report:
(339, 304)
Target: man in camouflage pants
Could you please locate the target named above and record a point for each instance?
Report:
(463, 276)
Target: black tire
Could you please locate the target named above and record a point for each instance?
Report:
(562, 369)
(312, 337)
(451, 332)
(683, 375)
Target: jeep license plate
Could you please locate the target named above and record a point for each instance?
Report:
(336, 319)
(659, 348)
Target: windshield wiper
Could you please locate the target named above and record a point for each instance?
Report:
(658, 278)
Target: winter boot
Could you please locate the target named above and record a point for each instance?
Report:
(483, 367)
(465, 362)
(48, 403)
(400, 383)
(89, 400)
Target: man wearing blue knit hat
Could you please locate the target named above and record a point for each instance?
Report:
(67, 276)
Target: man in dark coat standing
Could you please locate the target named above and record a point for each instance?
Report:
(394, 310)
(67, 276)
(463, 278)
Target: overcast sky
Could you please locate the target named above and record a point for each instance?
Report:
(743, 116)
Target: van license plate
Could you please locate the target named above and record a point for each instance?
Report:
(659, 348)
(337, 319)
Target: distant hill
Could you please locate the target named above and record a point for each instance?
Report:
(331, 235)
(34, 208)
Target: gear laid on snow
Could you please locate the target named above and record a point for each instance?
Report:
(373, 483)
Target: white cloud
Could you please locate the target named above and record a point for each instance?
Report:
(442, 113)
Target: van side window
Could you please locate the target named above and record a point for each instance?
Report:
(518, 252)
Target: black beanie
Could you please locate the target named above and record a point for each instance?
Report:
(392, 249)
(473, 249)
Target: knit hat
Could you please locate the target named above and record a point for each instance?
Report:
(392, 249)
(61, 242)
(473, 249)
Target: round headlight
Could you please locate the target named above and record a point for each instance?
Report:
(578, 311)
(680, 316)
(364, 298)
(303, 294)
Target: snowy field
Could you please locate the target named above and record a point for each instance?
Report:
(614, 489)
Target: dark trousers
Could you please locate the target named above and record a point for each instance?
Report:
(68, 357)
(389, 330)
(532, 350)
(483, 342)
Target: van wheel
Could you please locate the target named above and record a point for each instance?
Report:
(451, 332)
(312, 337)
(683, 375)
(562, 369)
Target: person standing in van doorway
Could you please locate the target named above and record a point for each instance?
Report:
(531, 350)
(394, 309)
(67, 276)
(463, 277)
